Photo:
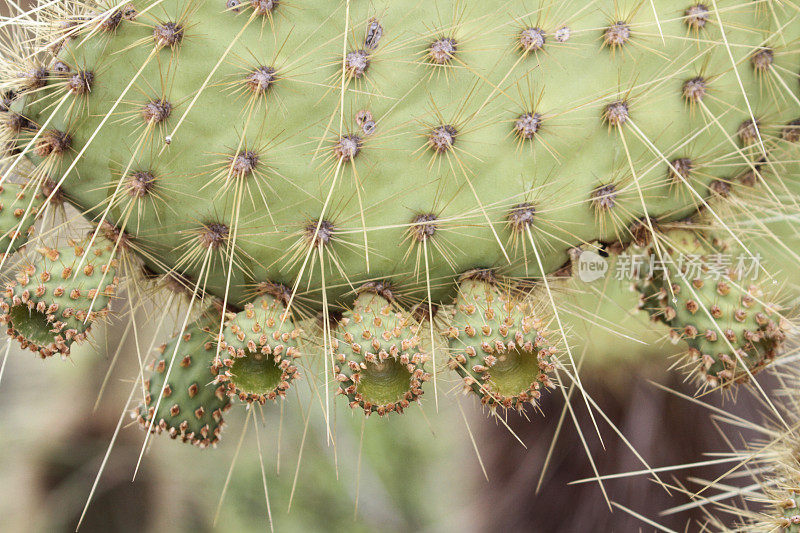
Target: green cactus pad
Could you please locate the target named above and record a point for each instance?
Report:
(18, 210)
(192, 405)
(332, 126)
(57, 296)
(731, 329)
(379, 365)
(498, 344)
(259, 346)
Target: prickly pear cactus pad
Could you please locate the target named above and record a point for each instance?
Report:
(731, 327)
(263, 133)
(55, 298)
(398, 201)
(182, 398)
(498, 345)
(379, 363)
(261, 345)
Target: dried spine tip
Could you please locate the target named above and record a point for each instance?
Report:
(356, 64)
(156, 111)
(526, 126)
(244, 163)
(531, 39)
(749, 132)
(617, 34)
(261, 79)
(264, 7)
(762, 59)
(321, 236)
(168, 34)
(81, 82)
(140, 183)
(53, 142)
(423, 226)
(696, 16)
(441, 51)
(791, 132)
(604, 197)
(680, 169)
(616, 113)
(442, 138)
(213, 235)
(348, 147)
(694, 90)
(521, 216)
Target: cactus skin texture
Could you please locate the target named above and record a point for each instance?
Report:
(266, 153)
(190, 405)
(17, 214)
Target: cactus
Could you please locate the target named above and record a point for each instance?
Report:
(181, 397)
(261, 350)
(378, 359)
(392, 190)
(730, 327)
(498, 346)
(56, 297)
